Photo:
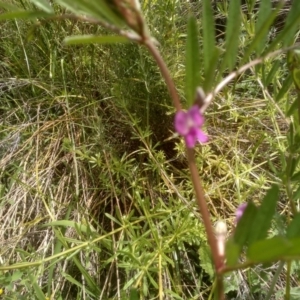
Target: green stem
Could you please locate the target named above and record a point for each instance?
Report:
(287, 295)
(164, 71)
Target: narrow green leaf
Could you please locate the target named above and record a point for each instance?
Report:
(285, 87)
(287, 34)
(78, 284)
(261, 33)
(192, 61)
(16, 275)
(67, 223)
(244, 226)
(296, 195)
(43, 5)
(113, 219)
(232, 33)
(292, 108)
(23, 14)
(292, 22)
(294, 250)
(262, 220)
(210, 74)
(133, 294)
(263, 23)
(93, 39)
(152, 280)
(293, 229)
(276, 248)
(205, 260)
(99, 9)
(232, 252)
(296, 176)
(271, 74)
(268, 250)
(37, 289)
(208, 30)
(250, 4)
(9, 6)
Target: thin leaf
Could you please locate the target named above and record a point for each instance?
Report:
(265, 9)
(261, 34)
(268, 250)
(93, 39)
(296, 177)
(77, 283)
(192, 61)
(244, 225)
(113, 219)
(133, 294)
(232, 34)
(284, 88)
(208, 30)
(232, 252)
(287, 34)
(296, 195)
(99, 9)
(292, 21)
(276, 248)
(23, 14)
(67, 223)
(9, 6)
(206, 261)
(262, 220)
(43, 5)
(271, 75)
(210, 74)
(293, 229)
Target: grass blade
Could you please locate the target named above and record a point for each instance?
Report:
(43, 5)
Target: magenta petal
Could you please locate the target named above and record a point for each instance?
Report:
(190, 141)
(240, 211)
(201, 136)
(192, 137)
(181, 122)
(195, 115)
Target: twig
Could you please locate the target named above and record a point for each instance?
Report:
(164, 71)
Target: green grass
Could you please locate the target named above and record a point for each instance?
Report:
(96, 199)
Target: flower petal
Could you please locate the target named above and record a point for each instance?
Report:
(195, 115)
(240, 211)
(181, 122)
(191, 137)
(201, 136)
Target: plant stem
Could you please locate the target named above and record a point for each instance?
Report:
(217, 259)
(288, 282)
(164, 71)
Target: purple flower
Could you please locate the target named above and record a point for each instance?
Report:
(188, 124)
(239, 212)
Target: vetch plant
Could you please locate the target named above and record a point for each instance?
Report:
(249, 244)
